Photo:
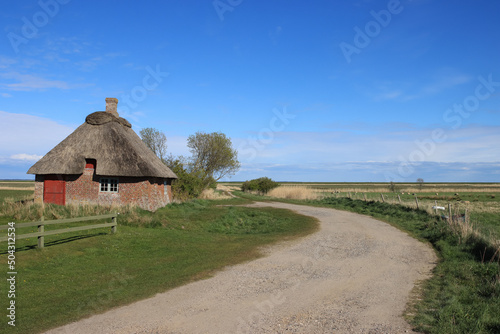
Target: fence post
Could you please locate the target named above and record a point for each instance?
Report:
(41, 229)
(416, 200)
(383, 199)
(113, 228)
(449, 212)
(349, 194)
(364, 195)
(399, 198)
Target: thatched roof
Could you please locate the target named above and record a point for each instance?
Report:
(109, 140)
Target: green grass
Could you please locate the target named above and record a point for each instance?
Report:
(463, 296)
(14, 194)
(84, 273)
(488, 223)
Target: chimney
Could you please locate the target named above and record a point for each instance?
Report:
(111, 104)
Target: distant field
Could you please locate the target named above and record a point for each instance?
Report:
(384, 187)
(15, 185)
(16, 190)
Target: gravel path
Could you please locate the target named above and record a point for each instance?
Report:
(353, 276)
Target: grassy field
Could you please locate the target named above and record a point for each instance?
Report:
(463, 296)
(84, 273)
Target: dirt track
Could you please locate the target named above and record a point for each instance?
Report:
(353, 276)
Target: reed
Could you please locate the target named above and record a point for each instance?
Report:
(294, 192)
(212, 194)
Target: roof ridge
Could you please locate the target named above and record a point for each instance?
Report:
(103, 117)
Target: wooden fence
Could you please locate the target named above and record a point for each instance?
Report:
(408, 202)
(42, 223)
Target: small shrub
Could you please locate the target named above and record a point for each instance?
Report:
(262, 185)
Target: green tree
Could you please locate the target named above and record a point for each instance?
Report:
(213, 153)
(212, 158)
(155, 140)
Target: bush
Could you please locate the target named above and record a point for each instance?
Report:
(261, 185)
(189, 184)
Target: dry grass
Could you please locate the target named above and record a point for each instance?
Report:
(227, 188)
(17, 183)
(27, 210)
(17, 188)
(213, 194)
(294, 192)
(488, 207)
(461, 225)
(134, 218)
(402, 184)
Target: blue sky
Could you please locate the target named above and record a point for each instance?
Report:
(307, 91)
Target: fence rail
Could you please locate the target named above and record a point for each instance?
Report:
(42, 223)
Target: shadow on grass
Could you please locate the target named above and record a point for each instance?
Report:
(483, 250)
(56, 242)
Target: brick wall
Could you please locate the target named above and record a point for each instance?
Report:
(149, 194)
(82, 188)
(39, 189)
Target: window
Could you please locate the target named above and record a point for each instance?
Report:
(109, 185)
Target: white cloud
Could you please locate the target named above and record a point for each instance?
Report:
(26, 157)
(28, 82)
(390, 142)
(32, 135)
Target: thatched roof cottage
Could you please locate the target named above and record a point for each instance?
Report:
(103, 162)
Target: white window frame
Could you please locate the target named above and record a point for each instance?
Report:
(108, 185)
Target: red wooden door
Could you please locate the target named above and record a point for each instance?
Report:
(54, 191)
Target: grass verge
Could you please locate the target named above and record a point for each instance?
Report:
(84, 273)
